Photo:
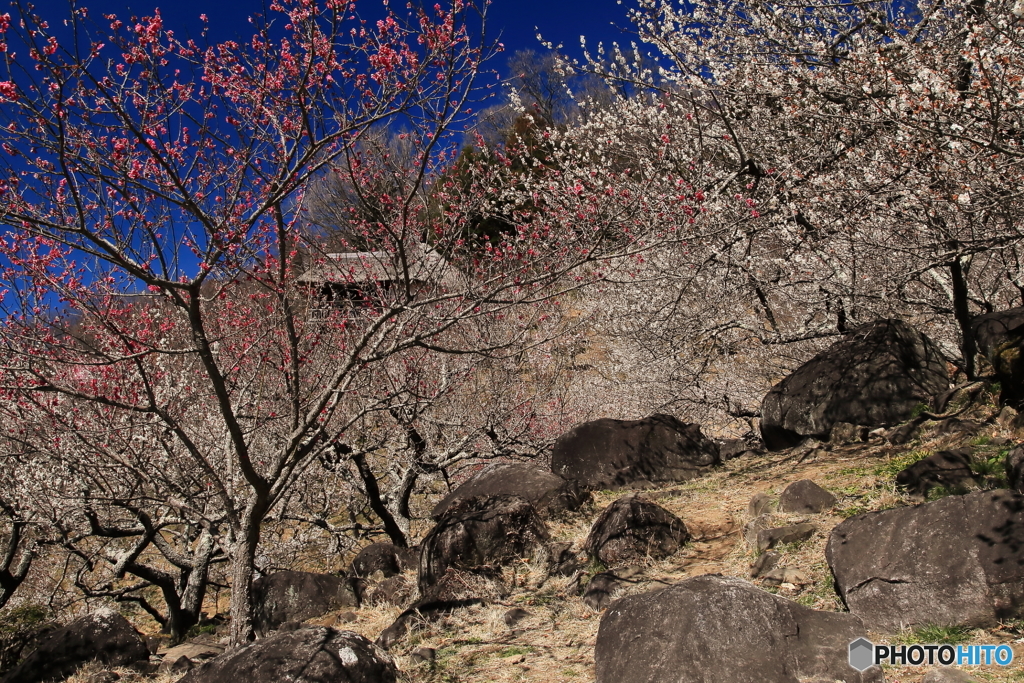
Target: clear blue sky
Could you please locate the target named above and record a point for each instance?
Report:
(560, 21)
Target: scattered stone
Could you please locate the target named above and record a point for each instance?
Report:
(563, 562)
(783, 575)
(955, 425)
(454, 590)
(197, 651)
(479, 534)
(395, 591)
(514, 616)
(298, 596)
(957, 560)
(905, 433)
(676, 634)
(950, 469)
(733, 448)
(760, 504)
(876, 377)
(751, 528)
(175, 665)
(843, 433)
(1015, 469)
(346, 618)
(104, 636)
(423, 654)
(805, 496)
(764, 563)
(794, 533)
(612, 454)
(383, 557)
(103, 677)
(1007, 416)
(601, 590)
(547, 492)
(947, 675)
(632, 528)
(309, 654)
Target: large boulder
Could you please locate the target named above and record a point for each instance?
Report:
(612, 454)
(308, 655)
(631, 529)
(958, 560)
(104, 636)
(999, 336)
(712, 628)
(297, 596)
(948, 469)
(386, 558)
(480, 535)
(547, 492)
(874, 377)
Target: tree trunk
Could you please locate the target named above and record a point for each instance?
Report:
(962, 313)
(243, 569)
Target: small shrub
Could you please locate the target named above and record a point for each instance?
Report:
(981, 440)
(21, 628)
(201, 630)
(919, 410)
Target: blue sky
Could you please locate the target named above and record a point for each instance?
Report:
(560, 21)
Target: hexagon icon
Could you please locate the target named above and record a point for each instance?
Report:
(862, 654)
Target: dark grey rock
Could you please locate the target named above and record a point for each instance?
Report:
(612, 454)
(712, 628)
(844, 433)
(1015, 469)
(309, 655)
(958, 560)
(794, 533)
(947, 675)
(396, 591)
(874, 377)
(479, 534)
(423, 654)
(764, 563)
(386, 558)
(951, 469)
(601, 590)
(759, 505)
(455, 589)
(733, 448)
(1000, 338)
(547, 492)
(632, 528)
(104, 636)
(805, 496)
(176, 665)
(297, 596)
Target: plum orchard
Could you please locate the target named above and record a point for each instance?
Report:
(164, 389)
(851, 161)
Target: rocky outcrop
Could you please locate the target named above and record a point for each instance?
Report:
(548, 493)
(875, 377)
(297, 596)
(479, 535)
(713, 628)
(383, 557)
(632, 528)
(999, 336)
(1015, 469)
(308, 655)
(612, 454)
(958, 560)
(104, 636)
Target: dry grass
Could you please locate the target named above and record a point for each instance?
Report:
(555, 643)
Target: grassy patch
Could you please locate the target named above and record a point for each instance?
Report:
(897, 463)
(942, 635)
(516, 650)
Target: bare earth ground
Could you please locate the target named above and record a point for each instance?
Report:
(555, 643)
